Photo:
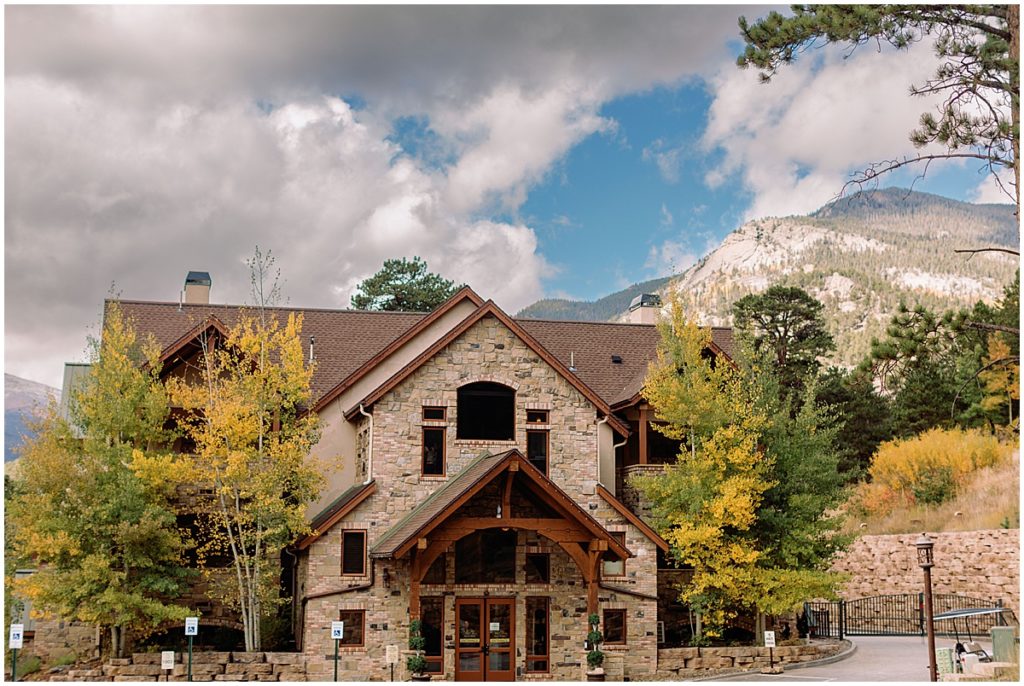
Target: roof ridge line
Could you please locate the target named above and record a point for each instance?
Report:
(253, 307)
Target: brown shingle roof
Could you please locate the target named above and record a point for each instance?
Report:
(347, 339)
(592, 345)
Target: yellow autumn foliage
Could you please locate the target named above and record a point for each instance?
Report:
(930, 467)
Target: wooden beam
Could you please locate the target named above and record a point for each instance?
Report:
(506, 499)
(598, 545)
(415, 574)
(427, 557)
(575, 551)
(594, 561)
(422, 543)
(643, 436)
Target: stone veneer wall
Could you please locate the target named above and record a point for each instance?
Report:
(55, 638)
(486, 352)
(680, 663)
(979, 564)
(206, 666)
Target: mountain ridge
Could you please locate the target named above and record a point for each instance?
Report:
(23, 400)
(860, 255)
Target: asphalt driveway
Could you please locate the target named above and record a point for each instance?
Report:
(877, 658)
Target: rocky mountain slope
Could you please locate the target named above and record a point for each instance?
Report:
(22, 399)
(860, 256)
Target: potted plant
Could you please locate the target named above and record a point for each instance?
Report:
(595, 658)
(416, 663)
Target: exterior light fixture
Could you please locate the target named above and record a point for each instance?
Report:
(926, 560)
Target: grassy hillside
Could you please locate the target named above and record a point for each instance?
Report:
(990, 500)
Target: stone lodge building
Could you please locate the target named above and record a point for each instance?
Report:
(481, 486)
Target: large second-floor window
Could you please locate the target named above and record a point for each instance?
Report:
(487, 411)
(487, 556)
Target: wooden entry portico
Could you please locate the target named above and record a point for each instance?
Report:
(439, 522)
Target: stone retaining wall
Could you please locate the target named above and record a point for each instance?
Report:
(680, 663)
(979, 564)
(206, 666)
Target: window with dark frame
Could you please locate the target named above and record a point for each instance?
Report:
(431, 414)
(486, 412)
(353, 553)
(537, 449)
(614, 628)
(433, 451)
(537, 638)
(354, 633)
(612, 564)
(432, 618)
(536, 416)
(538, 568)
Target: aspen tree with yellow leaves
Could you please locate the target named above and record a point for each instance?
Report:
(715, 503)
(247, 418)
(90, 505)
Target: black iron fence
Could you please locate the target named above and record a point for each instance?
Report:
(895, 615)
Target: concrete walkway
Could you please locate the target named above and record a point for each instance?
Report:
(877, 658)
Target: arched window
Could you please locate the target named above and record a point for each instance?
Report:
(487, 411)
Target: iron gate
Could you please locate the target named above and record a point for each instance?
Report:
(894, 615)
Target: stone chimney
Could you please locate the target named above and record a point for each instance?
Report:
(644, 309)
(197, 288)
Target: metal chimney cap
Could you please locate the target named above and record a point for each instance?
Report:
(198, 279)
(645, 300)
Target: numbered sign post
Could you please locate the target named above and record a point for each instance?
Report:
(337, 633)
(769, 643)
(15, 643)
(167, 659)
(191, 630)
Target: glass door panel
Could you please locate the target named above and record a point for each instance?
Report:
(500, 632)
(469, 646)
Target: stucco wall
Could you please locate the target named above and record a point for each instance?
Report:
(486, 352)
(980, 564)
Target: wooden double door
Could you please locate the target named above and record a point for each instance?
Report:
(485, 639)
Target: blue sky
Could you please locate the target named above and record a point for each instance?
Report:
(529, 151)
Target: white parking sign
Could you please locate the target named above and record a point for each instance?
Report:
(17, 636)
(167, 659)
(337, 630)
(769, 639)
(191, 626)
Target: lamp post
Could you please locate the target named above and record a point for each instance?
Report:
(926, 561)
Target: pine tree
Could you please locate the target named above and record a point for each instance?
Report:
(978, 75)
(403, 286)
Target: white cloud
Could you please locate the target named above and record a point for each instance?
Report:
(146, 141)
(666, 159)
(671, 257)
(994, 190)
(794, 142)
(666, 216)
